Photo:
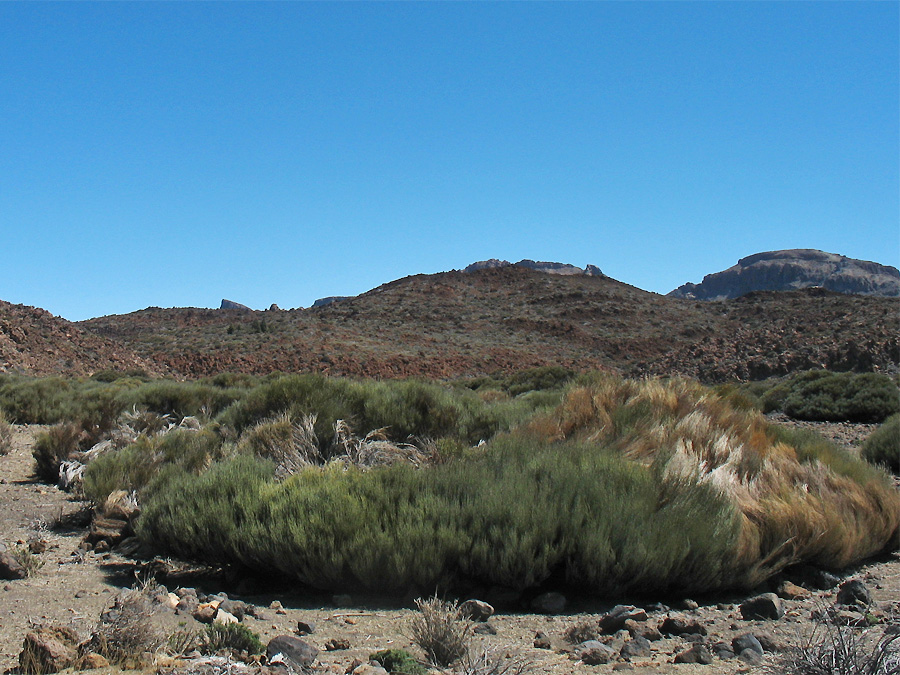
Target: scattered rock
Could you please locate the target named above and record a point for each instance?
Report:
(751, 657)
(680, 625)
(224, 617)
(699, 653)
(765, 606)
(643, 629)
(723, 650)
(549, 603)
(854, 593)
(594, 653)
(791, 591)
(205, 613)
(293, 652)
(485, 628)
(336, 644)
(305, 627)
(49, 649)
(615, 619)
(635, 648)
(746, 641)
(9, 566)
(542, 640)
(476, 610)
(689, 605)
(234, 607)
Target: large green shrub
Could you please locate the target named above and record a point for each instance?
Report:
(824, 396)
(883, 445)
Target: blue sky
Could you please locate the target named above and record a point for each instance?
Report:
(174, 154)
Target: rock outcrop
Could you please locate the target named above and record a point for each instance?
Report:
(231, 304)
(547, 267)
(792, 270)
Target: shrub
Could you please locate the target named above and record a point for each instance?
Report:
(232, 636)
(440, 630)
(6, 434)
(883, 445)
(133, 467)
(182, 399)
(839, 650)
(28, 560)
(824, 396)
(34, 401)
(398, 661)
(127, 630)
(54, 446)
(487, 662)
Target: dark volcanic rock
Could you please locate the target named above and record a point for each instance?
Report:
(230, 304)
(794, 269)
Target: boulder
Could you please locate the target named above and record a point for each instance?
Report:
(234, 607)
(224, 617)
(205, 613)
(293, 652)
(476, 610)
(765, 606)
(49, 649)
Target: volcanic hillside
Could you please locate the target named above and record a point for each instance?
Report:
(34, 342)
(512, 318)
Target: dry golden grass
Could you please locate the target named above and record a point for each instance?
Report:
(798, 502)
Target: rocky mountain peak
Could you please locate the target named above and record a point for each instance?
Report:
(794, 269)
(547, 267)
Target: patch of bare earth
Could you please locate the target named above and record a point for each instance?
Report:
(73, 587)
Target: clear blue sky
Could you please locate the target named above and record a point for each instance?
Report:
(175, 154)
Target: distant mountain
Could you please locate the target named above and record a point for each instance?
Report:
(231, 304)
(794, 269)
(548, 267)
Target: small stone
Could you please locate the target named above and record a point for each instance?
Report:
(485, 628)
(542, 640)
(791, 591)
(337, 644)
(697, 654)
(616, 618)
(746, 641)
(81, 594)
(476, 610)
(689, 605)
(635, 648)
(224, 617)
(751, 657)
(595, 653)
(275, 604)
(305, 627)
(765, 606)
(292, 651)
(205, 613)
(854, 592)
(679, 625)
(643, 629)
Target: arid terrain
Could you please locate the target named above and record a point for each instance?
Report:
(468, 324)
(73, 587)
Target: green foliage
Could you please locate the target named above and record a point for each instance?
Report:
(28, 560)
(34, 401)
(825, 396)
(883, 445)
(5, 435)
(133, 467)
(591, 515)
(53, 447)
(398, 661)
(182, 399)
(233, 636)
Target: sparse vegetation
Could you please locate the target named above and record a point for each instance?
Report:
(127, 631)
(441, 631)
(232, 636)
(399, 662)
(28, 560)
(839, 650)
(54, 446)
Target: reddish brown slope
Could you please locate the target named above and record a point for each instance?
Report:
(34, 342)
(457, 324)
